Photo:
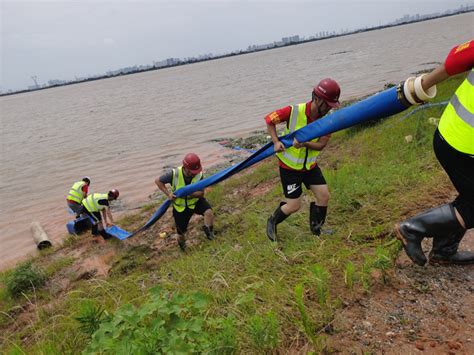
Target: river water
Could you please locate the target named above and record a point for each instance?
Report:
(122, 131)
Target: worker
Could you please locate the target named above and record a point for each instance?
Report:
(77, 193)
(97, 207)
(184, 207)
(298, 163)
(453, 145)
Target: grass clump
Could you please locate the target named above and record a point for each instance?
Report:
(24, 278)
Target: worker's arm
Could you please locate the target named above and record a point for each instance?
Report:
(197, 194)
(274, 118)
(107, 217)
(459, 60)
(171, 196)
(319, 145)
(277, 145)
(436, 76)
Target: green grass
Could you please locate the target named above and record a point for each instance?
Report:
(262, 296)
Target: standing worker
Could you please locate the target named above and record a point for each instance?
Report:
(77, 193)
(97, 205)
(453, 145)
(298, 163)
(184, 207)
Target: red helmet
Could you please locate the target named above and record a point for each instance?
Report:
(329, 91)
(114, 194)
(192, 163)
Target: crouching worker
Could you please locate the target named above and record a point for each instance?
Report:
(184, 208)
(97, 206)
(77, 193)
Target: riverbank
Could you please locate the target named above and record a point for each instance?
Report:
(350, 291)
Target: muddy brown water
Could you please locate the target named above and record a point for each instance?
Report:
(122, 131)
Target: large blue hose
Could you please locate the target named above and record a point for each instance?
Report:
(380, 105)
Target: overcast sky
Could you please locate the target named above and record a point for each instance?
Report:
(67, 38)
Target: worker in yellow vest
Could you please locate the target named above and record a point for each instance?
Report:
(298, 164)
(184, 208)
(97, 207)
(77, 193)
(453, 145)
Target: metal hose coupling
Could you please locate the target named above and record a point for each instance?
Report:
(411, 91)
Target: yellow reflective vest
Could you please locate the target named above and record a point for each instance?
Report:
(457, 122)
(298, 158)
(180, 204)
(76, 194)
(91, 202)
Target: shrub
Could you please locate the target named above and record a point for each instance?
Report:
(166, 324)
(24, 278)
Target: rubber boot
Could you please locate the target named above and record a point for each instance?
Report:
(317, 217)
(277, 217)
(435, 223)
(182, 242)
(209, 231)
(445, 251)
(95, 229)
(104, 234)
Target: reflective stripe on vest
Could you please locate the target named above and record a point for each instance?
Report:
(298, 158)
(457, 122)
(76, 194)
(178, 182)
(91, 202)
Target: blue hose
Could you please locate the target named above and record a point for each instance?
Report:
(380, 105)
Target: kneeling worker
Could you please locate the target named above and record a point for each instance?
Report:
(183, 208)
(98, 203)
(77, 193)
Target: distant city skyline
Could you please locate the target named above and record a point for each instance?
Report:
(31, 63)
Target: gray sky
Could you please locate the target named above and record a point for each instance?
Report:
(66, 38)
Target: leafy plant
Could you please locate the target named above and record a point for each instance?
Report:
(166, 324)
(24, 278)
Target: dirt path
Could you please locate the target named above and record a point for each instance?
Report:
(423, 310)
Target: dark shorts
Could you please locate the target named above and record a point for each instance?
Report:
(182, 218)
(291, 180)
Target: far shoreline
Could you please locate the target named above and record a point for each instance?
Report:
(233, 54)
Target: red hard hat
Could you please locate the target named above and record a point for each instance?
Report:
(114, 193)
(329, 91)
(192, 163)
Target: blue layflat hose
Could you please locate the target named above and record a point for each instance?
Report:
(380, 105)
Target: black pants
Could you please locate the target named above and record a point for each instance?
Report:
(460, 169)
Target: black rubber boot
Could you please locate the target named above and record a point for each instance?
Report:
(209, 231)
(277, 217)
(445, 251)
(317, 217)
(95, 229)
(104, 234)
(438, 222)
(182, 242)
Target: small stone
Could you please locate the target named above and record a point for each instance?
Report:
(419, 345)
(390, 334)
(409, 138)
(367, 324)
